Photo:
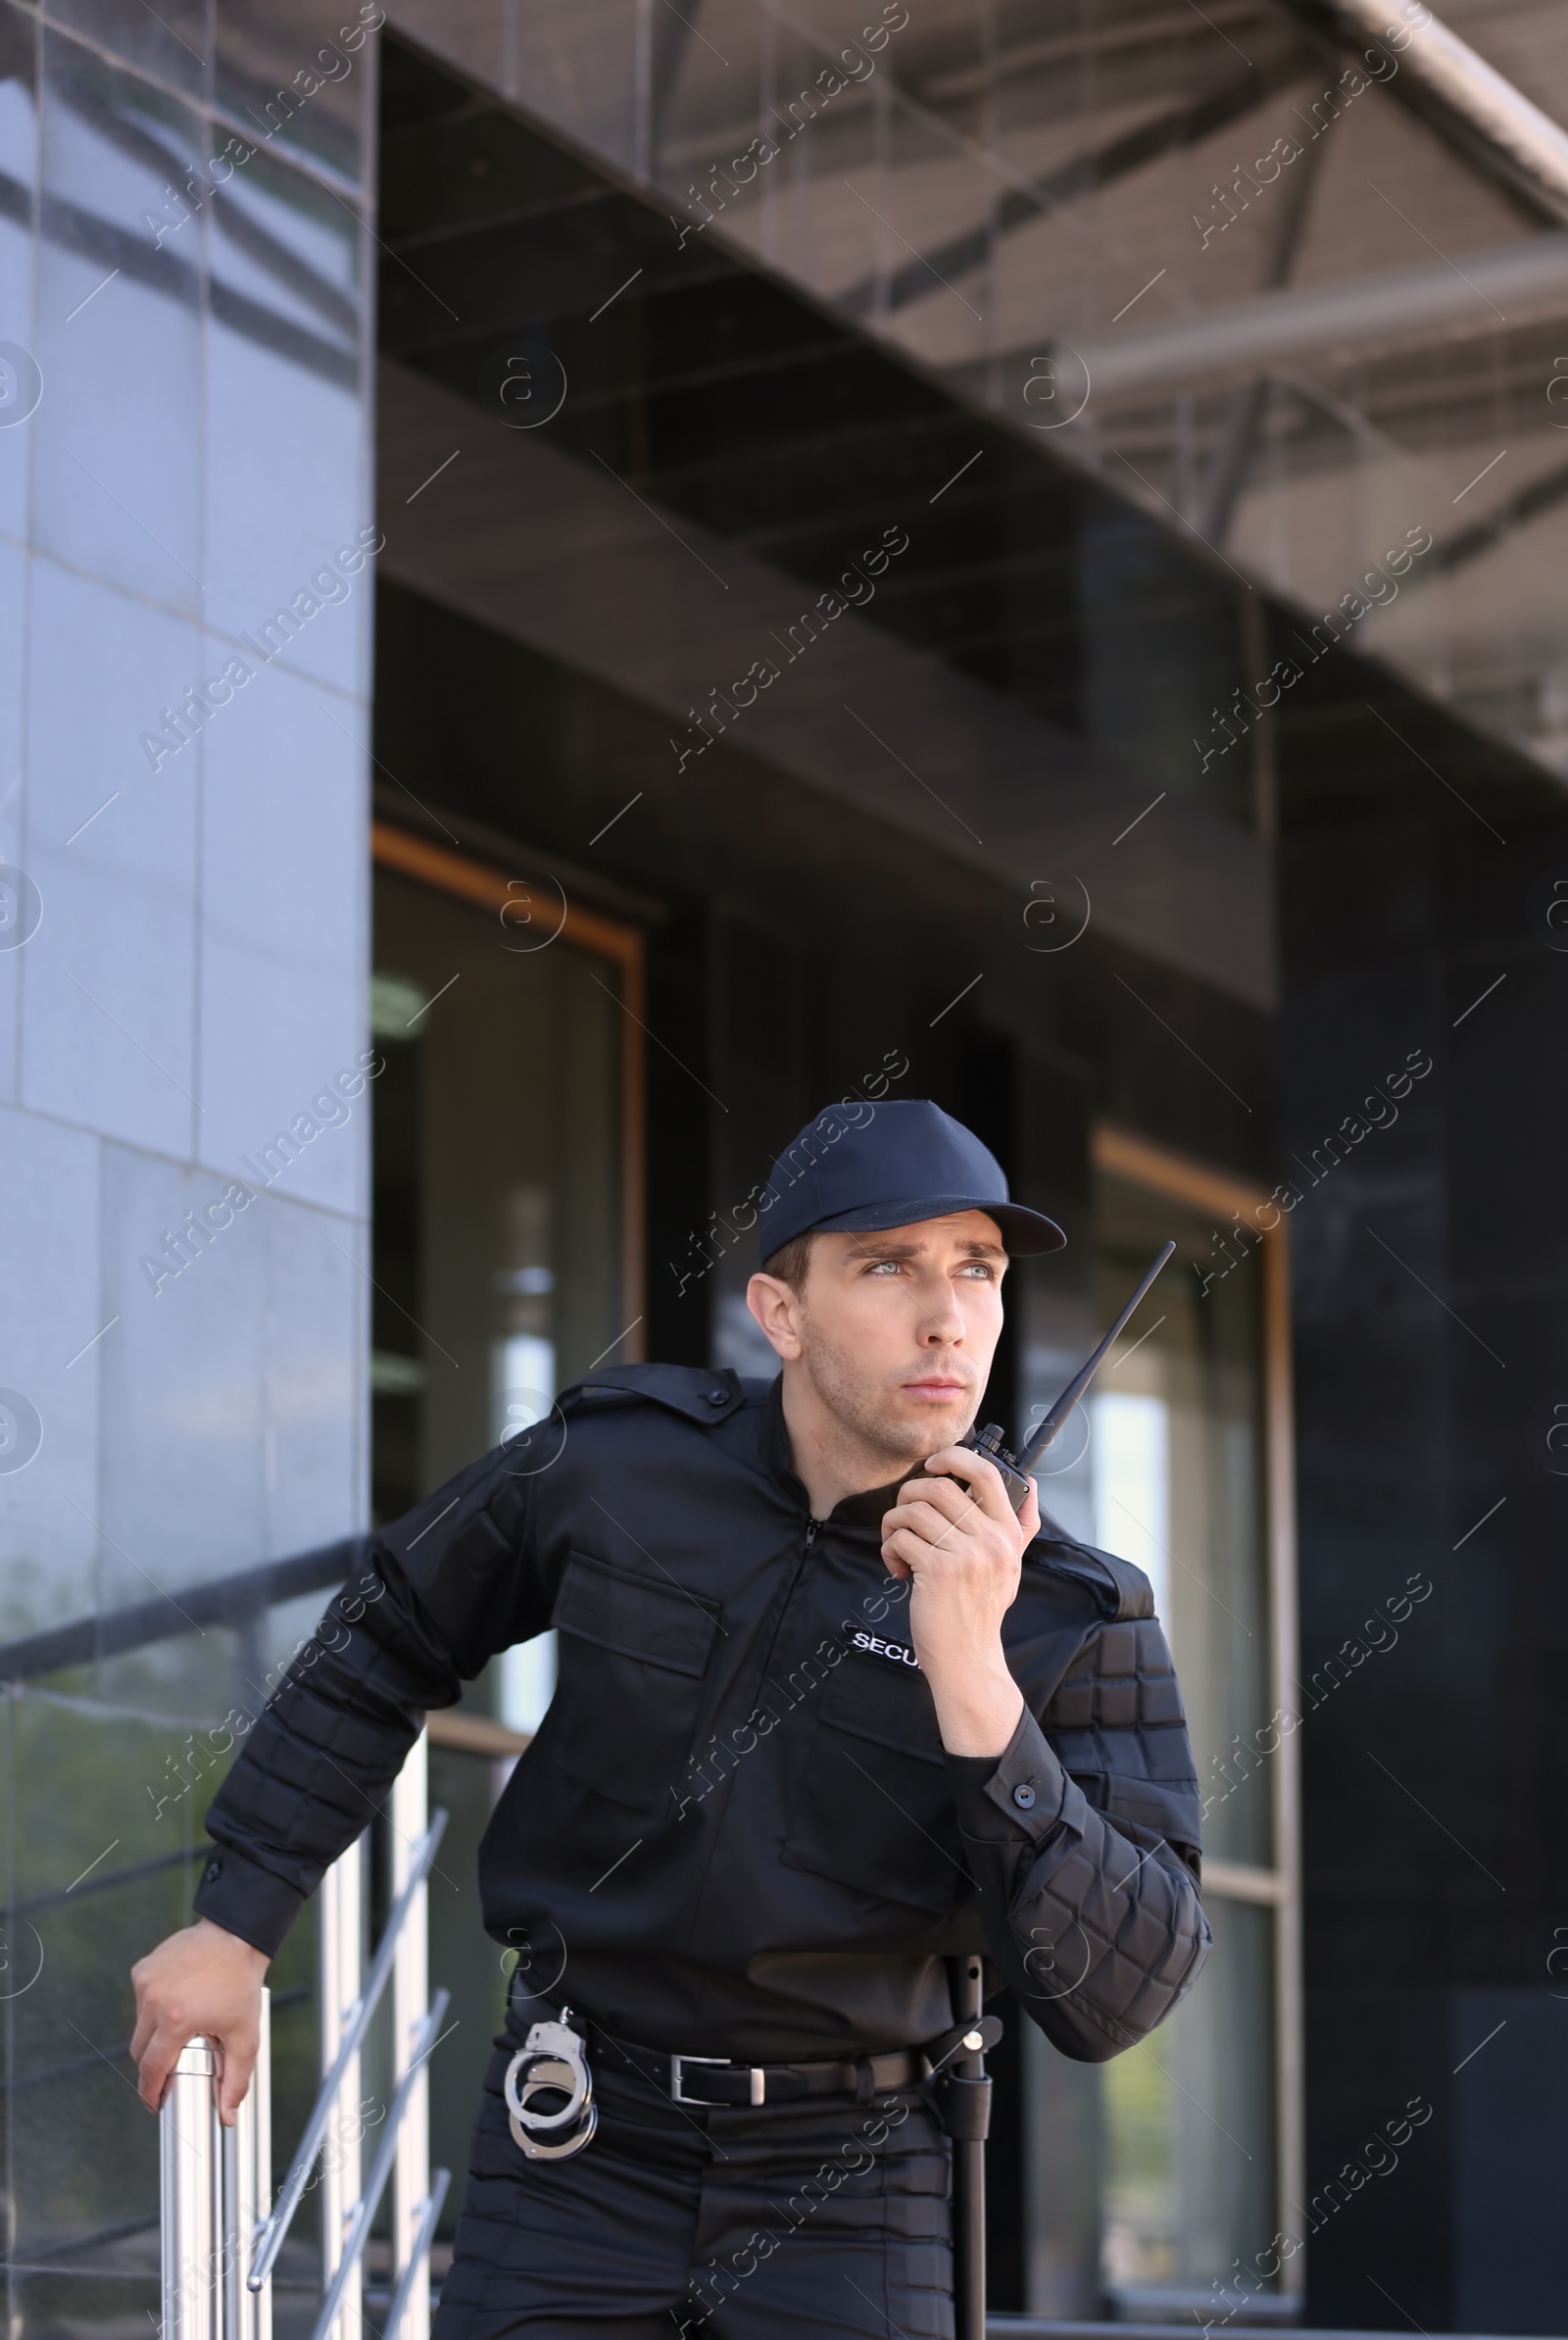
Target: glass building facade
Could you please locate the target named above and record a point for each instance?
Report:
(579, 580)
(186, 543)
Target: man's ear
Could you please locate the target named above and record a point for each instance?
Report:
(777, 1310)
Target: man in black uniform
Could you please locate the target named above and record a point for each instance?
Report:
(820, 1725)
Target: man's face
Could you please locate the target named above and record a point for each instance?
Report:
(896, 1330)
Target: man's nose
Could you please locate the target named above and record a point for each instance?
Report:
(943, 1320)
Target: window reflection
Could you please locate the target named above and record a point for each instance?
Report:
(1177, 1472)
(1177, 1477)
(290, 72)
(498, 1202)
(1189, 2163)
(1131, 1454)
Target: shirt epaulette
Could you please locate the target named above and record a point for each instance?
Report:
(702, 1393)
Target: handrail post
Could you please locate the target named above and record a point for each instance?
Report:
(409, 1814)
(219, 2231)
(190, 2166)
(246, 2150)
(380, 2171)
(341, 1967)
(261, 2198)
(274, 2227)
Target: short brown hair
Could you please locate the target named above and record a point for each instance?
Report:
(791, 1261)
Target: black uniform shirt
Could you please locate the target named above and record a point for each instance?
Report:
(736, 1833)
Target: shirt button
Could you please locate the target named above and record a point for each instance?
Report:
(1023, 1795)
(212, 1871)
(718, 1397)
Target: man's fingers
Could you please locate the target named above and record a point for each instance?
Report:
(156, 2063)
(146, 2025)
(930, 1530)
(906, 1563)
(953, 1501)
(980, 1476)
(236, 2063)
(927, 1544)
(934, 1522)
(157, 2047)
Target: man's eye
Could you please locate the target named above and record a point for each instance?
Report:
(884, 1267)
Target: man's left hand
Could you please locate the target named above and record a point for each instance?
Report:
(961, 1545)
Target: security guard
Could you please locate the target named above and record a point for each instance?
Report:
(828, 1714)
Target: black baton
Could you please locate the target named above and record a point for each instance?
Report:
(966, 2117)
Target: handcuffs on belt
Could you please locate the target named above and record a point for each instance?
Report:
(551, 2059)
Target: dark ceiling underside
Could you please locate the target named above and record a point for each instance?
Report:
(715, 391)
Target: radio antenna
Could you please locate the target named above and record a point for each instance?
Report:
(1049, 1428)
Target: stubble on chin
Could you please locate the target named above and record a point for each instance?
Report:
(866, 1408)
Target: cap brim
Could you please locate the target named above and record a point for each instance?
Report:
(1025, 1233)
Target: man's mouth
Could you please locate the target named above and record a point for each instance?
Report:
(936, 1385)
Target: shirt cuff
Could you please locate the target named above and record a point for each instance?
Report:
(246, 1900)
(1019, 1794)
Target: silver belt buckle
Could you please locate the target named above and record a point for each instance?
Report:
(759, 2080)
(551, 2057)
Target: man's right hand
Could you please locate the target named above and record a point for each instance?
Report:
(200, 1982)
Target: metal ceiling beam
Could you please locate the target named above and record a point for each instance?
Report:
(1357, 314)
(1233, 459)
(1186, 124)
(1442, 79)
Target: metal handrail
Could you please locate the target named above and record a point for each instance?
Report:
(359, 2233)
(424, 2236)
(210, 2182)
(188, 2195)
(217, 2249)
(268, 2240)
(247, 2180)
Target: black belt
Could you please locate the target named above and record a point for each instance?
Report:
(711, 2081)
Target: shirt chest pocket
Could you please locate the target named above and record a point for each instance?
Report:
(873, 1808)
(632, 1657)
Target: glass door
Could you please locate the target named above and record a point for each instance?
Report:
(507, 1216)
(1179, 1471)
(1185, 2149)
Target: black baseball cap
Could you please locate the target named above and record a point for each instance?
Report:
(859, 1166)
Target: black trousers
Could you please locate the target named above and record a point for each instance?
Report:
(825, 2220)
